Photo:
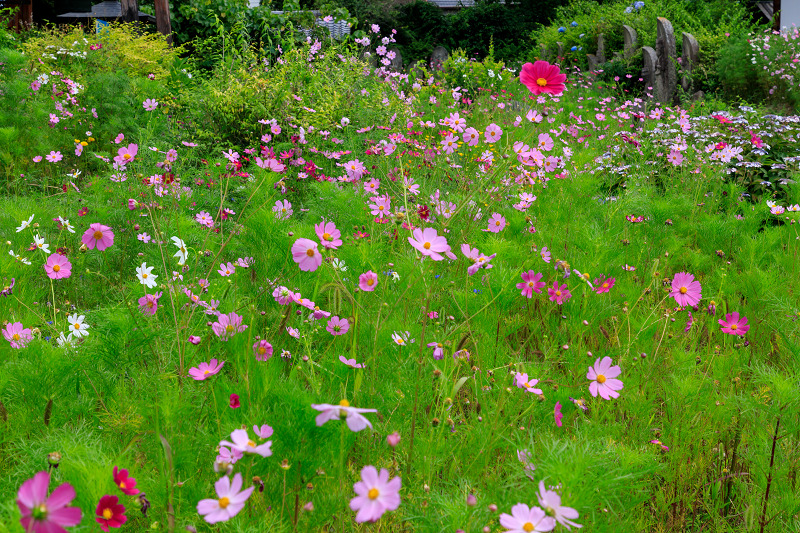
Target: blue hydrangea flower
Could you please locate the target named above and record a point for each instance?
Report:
(562, 29)
(638, 5)
(575, 24)
(574, 49)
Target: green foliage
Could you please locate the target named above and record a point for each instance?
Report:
(472, 75)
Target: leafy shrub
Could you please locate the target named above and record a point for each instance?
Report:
(470, 74)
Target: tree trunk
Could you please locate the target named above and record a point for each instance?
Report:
(130, 11)
(776, 15)
(162, 19)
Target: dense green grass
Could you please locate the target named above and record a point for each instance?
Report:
(121, 396)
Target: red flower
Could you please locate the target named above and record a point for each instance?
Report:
(83, 211)
(126, 484)
(110, 513)
(542, 77)
(235, 401)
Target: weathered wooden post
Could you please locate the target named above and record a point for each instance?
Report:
(690, 56)
(130, 11)
(163, 24)
(630, 38)
(666, 72)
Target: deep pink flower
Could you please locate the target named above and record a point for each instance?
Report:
(329, 236)
(306, 255)
(376, 494)
(17, 335)
(530, 283)
(542, 77)
(125, 483)
(559, 294)
(234, 401)
(734, 324)
(393, 440)
(368, 281)
(194, 339)
(43, 514)
(110, 513)
(338, 326)
(148, 304)
(98, 235)
(430, 243)
(126, 154)
(58, 267)
(557, 414)
(206, 370)
(602, 376)
(263, 350)
(228, 325)
(603, 285)
(686, 290)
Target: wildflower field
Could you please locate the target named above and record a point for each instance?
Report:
(308, 294)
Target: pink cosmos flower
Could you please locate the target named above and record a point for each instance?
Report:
(230, 501)
(43, 514)
(530, 283)
(194, 339)
(734, 324)
(675, 157)
(430, 243)
(282, 210)
(282, 295)
(263, 432)
(204, 218)
(602, 377)
(471, 136)
(557, 414)
(58, 267)
(125, 483)
(338, 326)
(449, 144)
(350, 362)
(368, 281)
(110, 513)
(496, 223)
(524, 519)
(206, 370)
(234, 401)
(542, 77)
(478, 259)
(559, 294)
(149, 104)
(393, 440)
(545, 142)
(148, 304)
(545, 254)
(241, 442)
(228, 325)
(329, 236)
(306, 255)
(226, 270)
(126, 154)
(99, 236)
(551, 503)
(17, 335)
(54, 157)
(493, 133)
(376, 494)
(601, 285)
(686, 290)
(438, 349)
(262, 350)
(523, 382)
(355, 420)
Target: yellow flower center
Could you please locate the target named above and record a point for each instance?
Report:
(530, 284)
(122, 484)
(344, 403)
(251, 444)
(734, 326)
(229, 328)
(76, 326)
(684, 290)
(370, 281)
(126, 156)
(98, 235)
(206, 372)
(283, 210)
(558, 293)
(144, 275)
(605, 285)
(327, 237)
(150, 304)
(107, 514)
(373, 494)
(56, 268)
(310, 252)
(497, 223)
(528, 526)
(541, 82)
(601, 378)
(262, 350)
(16, 336)
(427, 246)
(224, 502)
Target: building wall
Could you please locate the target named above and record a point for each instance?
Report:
(790, 13)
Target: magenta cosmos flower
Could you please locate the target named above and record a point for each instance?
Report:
(603, 285)
(306, 255)
(430, 243)
(148, 304)
(602, 377)
(58, 267)
(110, 513)
(125, 483)
(228, 325)
(558, 294)
(126, 154)
(263, 350)
(329, 236)
(530, 283)
(43, 514)
(496, 223)
(734, 324)
(368, 281)
(686, 290)
(230, 500)
(338, 326)
(206, 370)
(557, 415)
(542, 77)
(355, 420)
(17, 335)
(376, 494)
(493, 133)
(98, 235)
(522, 381)
(551, 503)
(524, 519)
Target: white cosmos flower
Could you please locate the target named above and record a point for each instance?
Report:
(146, 276)
(339, 265)
(77, 328)
(182, 252)
(25, 224)
(40, 244)
(66, 224)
